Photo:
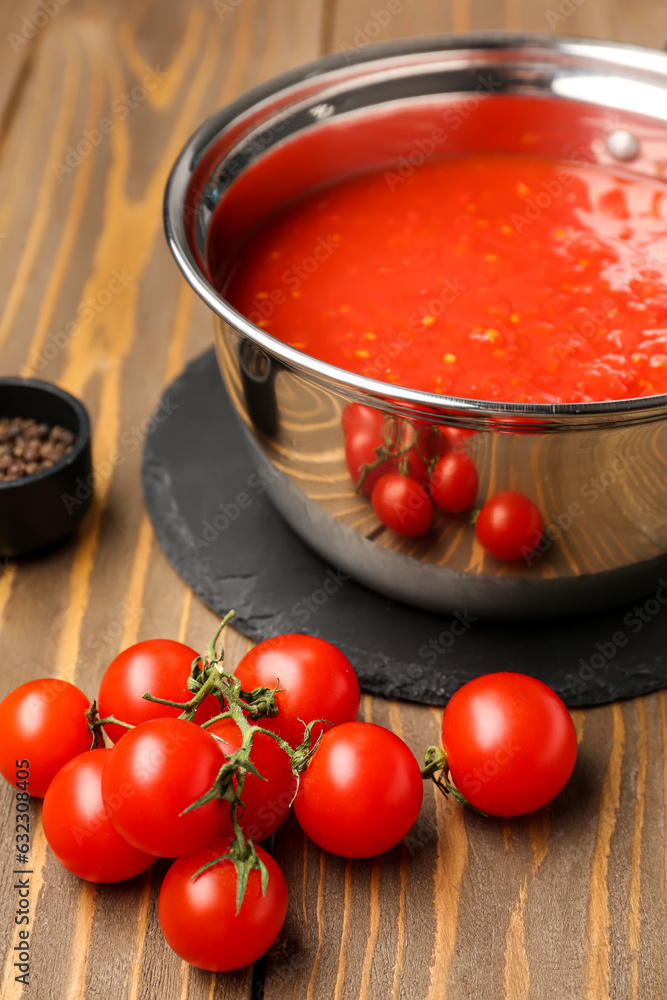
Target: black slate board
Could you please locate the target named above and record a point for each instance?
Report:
(195, 465)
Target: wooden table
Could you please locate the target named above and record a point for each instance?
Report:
(569, 903)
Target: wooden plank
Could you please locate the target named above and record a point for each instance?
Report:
(21, 28)
(564, 18)
(357, 25)
(571, 902)
(68, 230)
(621, 20)
(568, 902)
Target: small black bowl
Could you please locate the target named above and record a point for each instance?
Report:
(40, 509)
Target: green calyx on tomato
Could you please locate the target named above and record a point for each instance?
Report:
(437, 768)
(390, 446)
(243, 855)
(95, 725)
(509, 743)
(230, 781)
(198, 917)
(240, 708)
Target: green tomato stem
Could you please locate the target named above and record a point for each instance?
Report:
(113, 721)
(436, 767)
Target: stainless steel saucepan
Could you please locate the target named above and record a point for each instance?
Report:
(597, 471)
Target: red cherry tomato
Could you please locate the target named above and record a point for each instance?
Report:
(360, 450)
(510, 743)
(509, 526)
(316, 682)
(457, 436)
(44, 723)
(266, 802)
(402, 505)
(160, 666)
(199, 919)
(356, 416)
(77, 825)
(423, 418)
(155, 772)
(417, 460)
(362, 791)
(433, 443)
(454, 482)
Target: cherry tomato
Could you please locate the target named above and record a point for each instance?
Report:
(160, 666)
(42, 722)
(77, 826)
(438, 441)
(361, 792)
(422, 418)
(199, 919)
(509, 526)
(267, 802)
(360, 450)
(401, 504)
(457, 436)
(356, 416)
(454, 482)
(155, 772)
(510, 743)
(433, 443)
(416, 459)
(316, 682)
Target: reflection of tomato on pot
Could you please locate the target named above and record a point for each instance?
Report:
(510, 526)
(454, 482)
(406, 467)
(402, 504)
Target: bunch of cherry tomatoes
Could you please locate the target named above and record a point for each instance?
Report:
(408, 466)
(205, 765)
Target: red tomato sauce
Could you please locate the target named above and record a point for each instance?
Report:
(487, 277)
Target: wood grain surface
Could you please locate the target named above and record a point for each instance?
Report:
(569, 903)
